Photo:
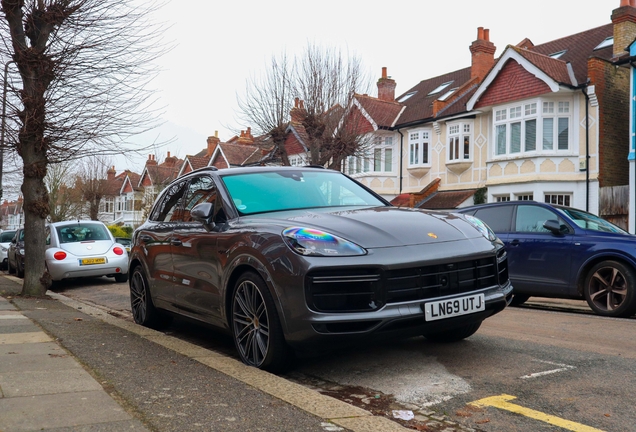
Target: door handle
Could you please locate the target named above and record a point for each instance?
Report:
(515, 242)
(145, 238)
(175, 242)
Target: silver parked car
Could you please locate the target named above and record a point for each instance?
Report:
(84, 249)
(5, 241)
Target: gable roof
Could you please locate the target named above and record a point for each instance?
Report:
(562, 62)
(236, 155)
(380, 113)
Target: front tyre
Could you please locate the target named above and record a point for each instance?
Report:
(143, 310)
(610, 289)
(256, 329)
(454, 334)
(519, 299)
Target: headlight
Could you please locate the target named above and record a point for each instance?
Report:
(4, 249)
(481, 227)
(22, 252)
(312, 242)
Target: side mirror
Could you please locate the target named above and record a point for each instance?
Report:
(203, 213)
(555, 227)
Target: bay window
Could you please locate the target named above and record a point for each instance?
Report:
(517, 128)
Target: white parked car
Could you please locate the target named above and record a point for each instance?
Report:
(5, 241)
(84, 249)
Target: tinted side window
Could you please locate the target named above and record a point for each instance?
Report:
(532, 218)
(497, 218)
(200, 190)
(167, 208)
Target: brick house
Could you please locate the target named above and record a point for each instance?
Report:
(242, 150)
(545, 122)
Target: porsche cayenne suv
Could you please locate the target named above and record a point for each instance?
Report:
(288, 259)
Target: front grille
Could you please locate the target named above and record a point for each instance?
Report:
(364, 290)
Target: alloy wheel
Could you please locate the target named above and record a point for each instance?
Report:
(608, 288)
(251, 323)
(138, 299)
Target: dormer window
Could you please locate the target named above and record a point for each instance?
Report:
(607, 42)
(406, 96)
(440, 88)
(447, 94)
(557, 55)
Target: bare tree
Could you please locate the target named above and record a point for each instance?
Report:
(325, 82)
(267, 103)
(83, 69)
(92, 184)
(65, 202)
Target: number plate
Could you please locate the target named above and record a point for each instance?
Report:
(454, 307)
(91, 261)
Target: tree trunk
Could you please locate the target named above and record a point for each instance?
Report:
(36, 279)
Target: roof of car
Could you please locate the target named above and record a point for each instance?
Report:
(250, 169)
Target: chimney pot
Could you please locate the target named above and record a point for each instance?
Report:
(480, 33)
(386, 87)
(487, 34)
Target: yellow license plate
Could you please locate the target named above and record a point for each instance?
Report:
(91, 261)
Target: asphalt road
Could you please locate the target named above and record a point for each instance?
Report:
(549, 366)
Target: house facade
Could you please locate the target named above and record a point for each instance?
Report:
(545, 122)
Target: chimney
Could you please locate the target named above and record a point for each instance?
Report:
(110, 174)
(170, 161)
(213, 141)
(386, 87)
(624, 20)
(246, 137)
(151, 160)
(298, 111)
(483, 54)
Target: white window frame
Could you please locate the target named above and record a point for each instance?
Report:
(382, 155)
(559, 198)
(456, 135)
(551, 119)
(524, 196)
(419, 147)
(501, 198)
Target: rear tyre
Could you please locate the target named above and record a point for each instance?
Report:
(519, 299)
(143, 310)
(19, 270)
(455, 334)
(256, 329)
(610, 289)
(119, 277)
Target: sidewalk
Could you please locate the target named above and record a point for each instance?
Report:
(67, 366)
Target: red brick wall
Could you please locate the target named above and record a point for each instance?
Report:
(512, 83)
(612, 90)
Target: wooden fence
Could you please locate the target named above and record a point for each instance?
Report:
(614, 205)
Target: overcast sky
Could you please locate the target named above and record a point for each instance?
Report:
(220, 44)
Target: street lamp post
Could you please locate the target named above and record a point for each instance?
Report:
(4, 116)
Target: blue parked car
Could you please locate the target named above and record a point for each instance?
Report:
(562, 252)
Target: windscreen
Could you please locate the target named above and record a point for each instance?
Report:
(82, 232)
(592, 222)
(260, 192)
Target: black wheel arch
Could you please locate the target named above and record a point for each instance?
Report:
(585, 268)
(244, 265)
